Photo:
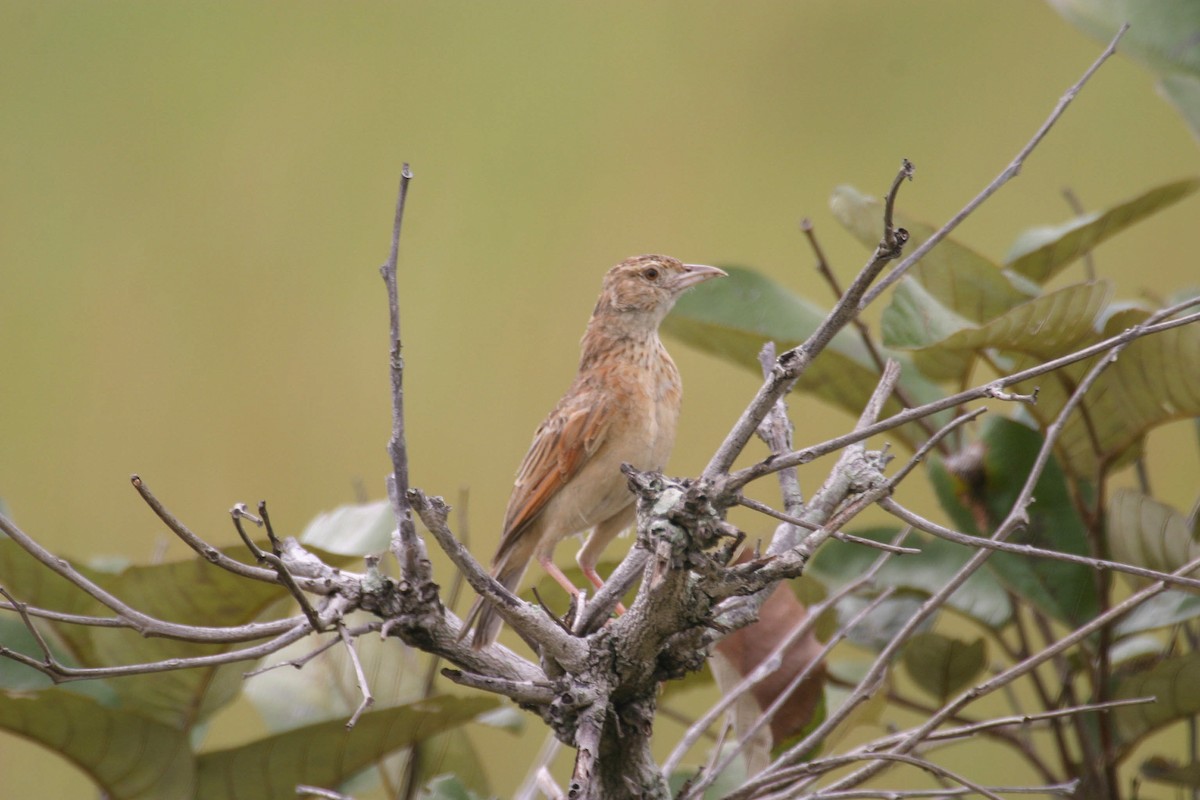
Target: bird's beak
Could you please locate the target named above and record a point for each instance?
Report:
(696, 273)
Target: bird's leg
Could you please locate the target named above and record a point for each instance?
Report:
(590, 573)
(553, 571)
(597, 540)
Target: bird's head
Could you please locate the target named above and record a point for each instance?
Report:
(644, 288)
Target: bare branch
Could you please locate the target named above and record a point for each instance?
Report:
(238, 513)
(407, 545)
(360, 677)
(933, 441)
(776, 430)
(864, 332)
(300, 661)
(769, 664)
(132, 618)
(524, 618)
(1010, 172)
(763, 670)
(538, 778)
(206, 550)
(792, 364)
(740, 478)
(60, 673)
(1007, 676)
(910, 517)
(964, 731)
(521, 692)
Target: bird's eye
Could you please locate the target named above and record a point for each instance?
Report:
(650, 273)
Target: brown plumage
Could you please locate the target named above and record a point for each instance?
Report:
(622, 407)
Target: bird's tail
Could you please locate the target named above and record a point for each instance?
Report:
(483, 618)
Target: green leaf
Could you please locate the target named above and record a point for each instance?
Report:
(325, 754)
(1161, 611)
(1147, 533)
(352, 530)
(959, 279)
(1044, 327)
(981, 596)
(732, 318)
(1040, 253)
(1175, 685)
(1155, 380)
(129, 756)
(979, 485)
(943, 666)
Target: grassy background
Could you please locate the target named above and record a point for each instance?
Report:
(195, 199)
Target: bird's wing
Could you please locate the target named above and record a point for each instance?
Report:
(561, 446)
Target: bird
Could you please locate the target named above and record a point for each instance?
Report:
(622, 407)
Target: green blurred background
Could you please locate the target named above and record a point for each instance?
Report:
(195, 199)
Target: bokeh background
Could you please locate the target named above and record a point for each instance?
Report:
(195, 199)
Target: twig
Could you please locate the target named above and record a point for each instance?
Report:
(1018, 516)
(524, 692)
(144, 624)
(61, 673)
(964, 731)
(740, 478)
(792, 364)
(529, 621)
(238, 513)
(823, 765)
(997, 394)
(932, 442)
(266, 520)
(300, 661)
(765, 717)
(407, 545)
(547, 785)
(210, 553)
(600, 607)
(765, 509)
(33, 629)
(864, 331)
(776, 430)
(1009, 172)
(910, 517)
(360, 677)
(696, 730)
